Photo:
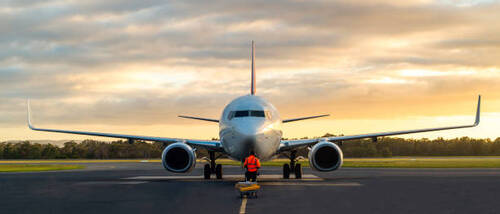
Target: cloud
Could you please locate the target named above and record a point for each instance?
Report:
(144, 62)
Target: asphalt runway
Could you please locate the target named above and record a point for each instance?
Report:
(147, 188)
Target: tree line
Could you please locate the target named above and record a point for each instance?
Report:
(384, 147)
(87, 149)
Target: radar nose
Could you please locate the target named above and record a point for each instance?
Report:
(249, 142)
(249, 129)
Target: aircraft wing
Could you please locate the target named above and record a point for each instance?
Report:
(291, 144)
(212, 145)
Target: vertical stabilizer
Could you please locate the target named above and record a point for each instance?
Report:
(252, 89)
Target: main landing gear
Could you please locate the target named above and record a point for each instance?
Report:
(293, 167)
(212, 168)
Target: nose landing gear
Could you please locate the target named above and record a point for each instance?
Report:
(293, 167)
(212, 168)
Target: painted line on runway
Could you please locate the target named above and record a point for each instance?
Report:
(112, 182)
(243, 206)
(345, 184)
(133, 182)
(305, 177)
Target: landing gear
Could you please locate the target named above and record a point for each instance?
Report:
(212, 161)
(212, 168)
(298, 171)
(293, 157)
(294, 167)
(207, 171)
(286, 171)
(218, 171)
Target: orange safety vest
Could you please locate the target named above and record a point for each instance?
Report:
(252, 163)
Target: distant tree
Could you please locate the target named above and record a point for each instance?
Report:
(385, 147)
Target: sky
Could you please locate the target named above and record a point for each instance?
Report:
(133, 66)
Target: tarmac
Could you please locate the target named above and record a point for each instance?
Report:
(148, 188)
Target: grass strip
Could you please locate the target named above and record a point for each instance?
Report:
(37, 167)
(398, 162)
(80, 161)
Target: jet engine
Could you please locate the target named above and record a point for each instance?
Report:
(178, 157)
(326, 156)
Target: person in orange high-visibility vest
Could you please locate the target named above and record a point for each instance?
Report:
(252, 164)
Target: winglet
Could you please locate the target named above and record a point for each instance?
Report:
(478, 111)
(29, 115)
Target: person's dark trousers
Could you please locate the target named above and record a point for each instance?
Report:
(251, 176)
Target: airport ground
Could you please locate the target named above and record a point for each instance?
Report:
(395, 162)
(145, 187)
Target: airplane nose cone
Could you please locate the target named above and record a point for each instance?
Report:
(252, 135)
(247, 131)
(249, 142)
(250, 130)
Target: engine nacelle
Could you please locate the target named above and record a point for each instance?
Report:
(178, 157)
(326, 156)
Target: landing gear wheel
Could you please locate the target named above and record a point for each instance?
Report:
(218, 171)
(298, 171)
(207, 171)
(286, 171)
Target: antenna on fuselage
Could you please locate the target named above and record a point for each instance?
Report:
(252, 86)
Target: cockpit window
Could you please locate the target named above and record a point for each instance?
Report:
(268, 115)
(249, 113)
(241, 114)
(257, 114)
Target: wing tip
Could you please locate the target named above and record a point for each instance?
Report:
(28, 110)
(478, 111)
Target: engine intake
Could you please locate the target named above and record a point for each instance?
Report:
(178, 157)
(326, 156)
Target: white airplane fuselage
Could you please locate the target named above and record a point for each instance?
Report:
(250, 123)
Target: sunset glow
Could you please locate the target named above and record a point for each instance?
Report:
(133, 66)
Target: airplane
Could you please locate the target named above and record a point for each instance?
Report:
(251, 123)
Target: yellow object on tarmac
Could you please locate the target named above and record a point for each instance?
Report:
(252, 187)
(247, 188)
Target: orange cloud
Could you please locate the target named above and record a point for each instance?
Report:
(132, 66)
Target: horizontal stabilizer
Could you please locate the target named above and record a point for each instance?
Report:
(304, 118)
(199, 118)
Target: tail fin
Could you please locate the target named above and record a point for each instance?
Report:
(252, 89)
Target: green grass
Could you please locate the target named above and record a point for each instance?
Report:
(80, 161)
(398, 163)
(425, 163)
(37, 167)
